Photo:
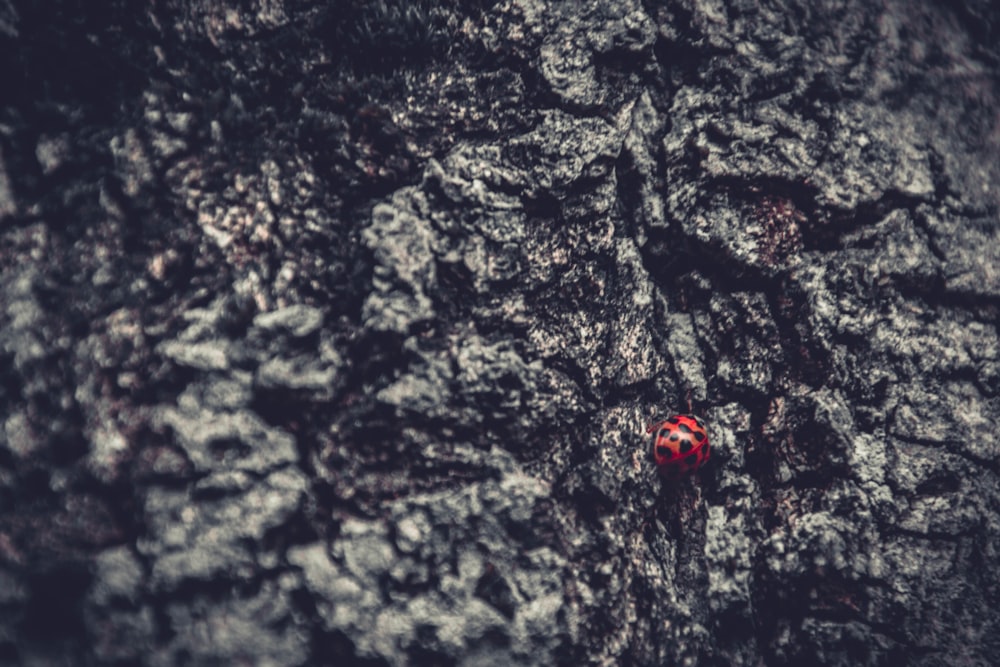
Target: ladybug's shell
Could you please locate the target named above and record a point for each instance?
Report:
(680, 445)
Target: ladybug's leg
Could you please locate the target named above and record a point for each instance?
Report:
(655, 424)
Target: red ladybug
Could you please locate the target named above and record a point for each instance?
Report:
(680, 445)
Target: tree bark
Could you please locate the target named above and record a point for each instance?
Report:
(329, 332)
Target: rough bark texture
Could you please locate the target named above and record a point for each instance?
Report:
(329, 332)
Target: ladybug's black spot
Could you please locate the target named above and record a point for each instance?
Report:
(674, 438)
(699, 436)
(686, 446)
(662, 450)
(691, 460)
(674, 420)
(684, 428)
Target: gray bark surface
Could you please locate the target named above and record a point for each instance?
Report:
(329, 332)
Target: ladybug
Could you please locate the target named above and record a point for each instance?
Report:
(680, 445)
